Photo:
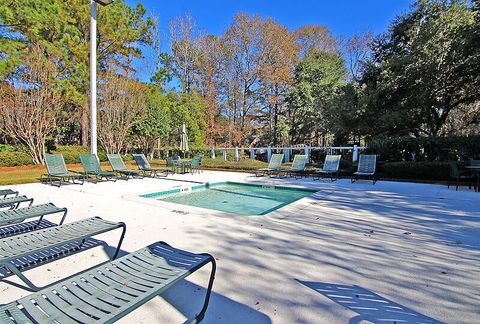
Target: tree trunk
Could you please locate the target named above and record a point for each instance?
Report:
(85, 125)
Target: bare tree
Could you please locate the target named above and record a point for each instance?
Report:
(313, 38)
(246, 56)
(208, 78)
(30, 103)
(184, 49)
(277, 72)
(464, 120)
(123, 103)
(357, 51)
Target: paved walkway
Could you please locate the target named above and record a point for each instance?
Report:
(391, 252)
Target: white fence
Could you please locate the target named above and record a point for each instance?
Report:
(285, 150)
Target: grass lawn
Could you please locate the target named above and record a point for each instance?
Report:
(32, 173)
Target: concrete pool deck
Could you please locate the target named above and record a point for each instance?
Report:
(400, 252)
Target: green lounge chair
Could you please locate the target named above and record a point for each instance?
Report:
(8, 192)
(119, 167)
(14, 249)
(366, 168)
(109, 291)
(144, 166)
(298, 166)
(14, 202)
(91, 166)
(273, 166)
(15, 216)
(57, 170)
(330, 168)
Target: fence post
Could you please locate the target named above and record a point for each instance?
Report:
(355, 153)
(224, 155)
(269, 153)
(307, 153)
(287, 155)
(236, 154)
(213, 154)
(252, 154)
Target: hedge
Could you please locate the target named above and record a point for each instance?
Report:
(14, 159)
(16, 155)
(12, 148)
(244, 164)
(426, 148)
(416, 170)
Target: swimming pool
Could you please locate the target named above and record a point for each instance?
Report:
(232, 197)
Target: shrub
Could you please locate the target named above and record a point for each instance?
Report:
(13, 148)
(416, 170)
(7, 148)
(244, 164)
(72, 148)
(15, 158)
(70, 157)
(426, 148)
(16, 155)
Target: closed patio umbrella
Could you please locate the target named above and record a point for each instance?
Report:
(184, 140)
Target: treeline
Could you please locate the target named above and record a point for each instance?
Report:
(258, 83)
(264, 83)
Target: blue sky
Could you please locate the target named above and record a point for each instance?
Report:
(343, 17)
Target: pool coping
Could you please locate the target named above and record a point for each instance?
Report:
(187, 209)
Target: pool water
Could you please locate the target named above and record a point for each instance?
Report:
(231, 197)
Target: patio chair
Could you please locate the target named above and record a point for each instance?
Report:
(273, 166)
(476, 173)
(111, 290)
(298, 166)
(8, 192)
(459, 176)
(196, 164)
(330, 168)
(91, 167)
(14, 202)
(173, 165)
(119, 167)
(37, 244)
(144, 166)
(367, 164)
(57, 170)
(9, 218)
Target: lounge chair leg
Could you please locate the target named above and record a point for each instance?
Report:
(124, 229)
(13, 269)
(38, 223)
(64, 215)
(79, 246)
(201, 315)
